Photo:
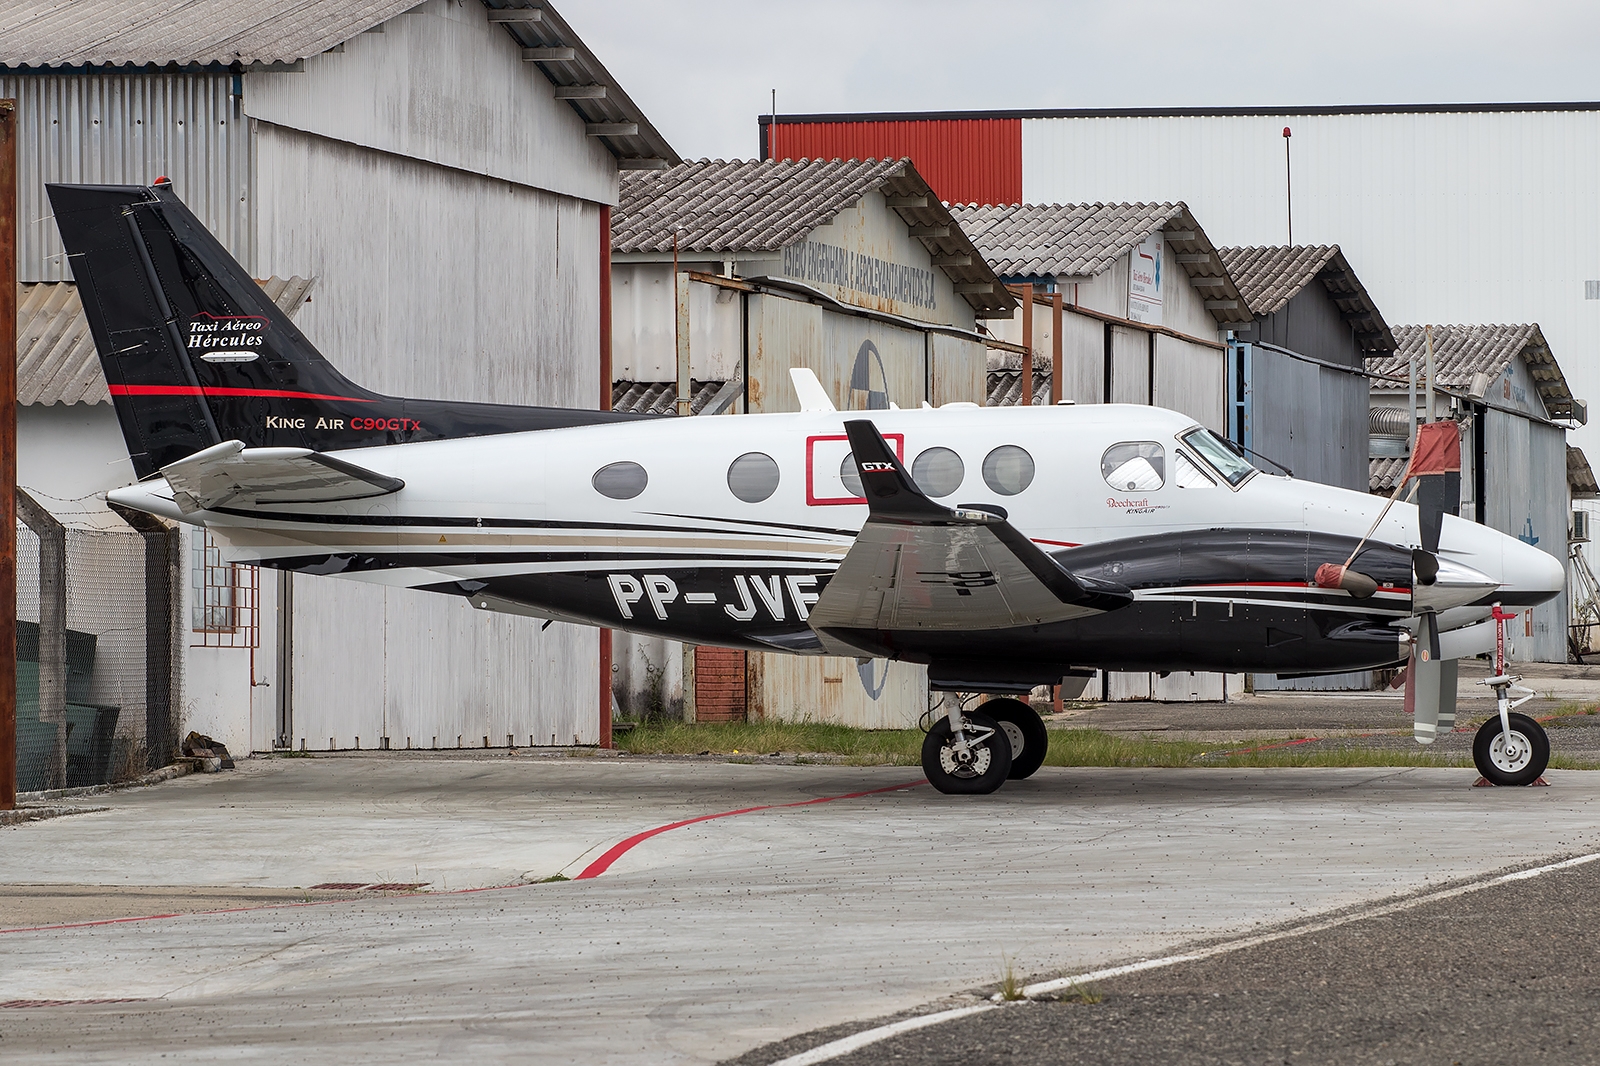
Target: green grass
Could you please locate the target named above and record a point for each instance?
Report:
(1068, 747)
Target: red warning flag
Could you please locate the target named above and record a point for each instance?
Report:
(1437, 451)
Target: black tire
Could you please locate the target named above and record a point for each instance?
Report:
(1498, 770)
(1029, 738)
(989, 765)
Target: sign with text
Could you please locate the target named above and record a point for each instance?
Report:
(1144, 280)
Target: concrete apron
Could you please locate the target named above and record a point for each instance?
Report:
(707, 940)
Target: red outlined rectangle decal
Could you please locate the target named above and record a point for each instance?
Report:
(824, 455)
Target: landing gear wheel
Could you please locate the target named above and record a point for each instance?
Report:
(980, 769)
(1029, 738)
(1517, 760)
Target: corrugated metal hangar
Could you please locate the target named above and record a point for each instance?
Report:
(407, 157)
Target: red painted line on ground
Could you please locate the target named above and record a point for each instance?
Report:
(618, 850)
(192, 390)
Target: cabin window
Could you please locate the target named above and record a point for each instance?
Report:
(1188, 474)
(938, 472)
(753, 477)
(850, 475)
(1008, 469)
(620, 481)
(1134, 466)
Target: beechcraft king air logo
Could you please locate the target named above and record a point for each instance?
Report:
(226, 338)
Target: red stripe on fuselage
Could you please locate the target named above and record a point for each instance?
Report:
(192, 390)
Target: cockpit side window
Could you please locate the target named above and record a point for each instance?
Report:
(1188, 475)
(1219, 455)
(1134, 466)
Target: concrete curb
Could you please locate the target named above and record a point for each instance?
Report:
(181, 768)
(37, 814)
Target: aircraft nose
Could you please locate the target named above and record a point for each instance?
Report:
(1529, 570)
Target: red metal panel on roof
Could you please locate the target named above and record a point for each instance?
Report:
(967, 161)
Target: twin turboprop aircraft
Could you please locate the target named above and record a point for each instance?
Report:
(1004, 548)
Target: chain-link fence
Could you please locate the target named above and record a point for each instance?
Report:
(96, 639)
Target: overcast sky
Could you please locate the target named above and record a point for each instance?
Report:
(703, 69)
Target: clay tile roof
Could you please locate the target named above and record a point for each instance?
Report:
(1461, 352)
(1269, 277)
(1084, 240)
(738, 205)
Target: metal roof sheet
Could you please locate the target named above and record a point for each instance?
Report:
(1461, 351)
(738, 205)
(237, 34)
(1084, 240)
(1269, 277)
(56, 359)
(76, 33)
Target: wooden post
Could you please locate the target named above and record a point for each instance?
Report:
(605, 405)
(1056, 395)
(8, 454)
(52, 627)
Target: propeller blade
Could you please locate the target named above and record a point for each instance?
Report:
(1436, 464)
(1428, 636)
(1423, 689)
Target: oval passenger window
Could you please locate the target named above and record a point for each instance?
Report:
(1008, 470)
(753, 476)
(620, 481)
(1134, 466)
(850, 475)
(938, 471)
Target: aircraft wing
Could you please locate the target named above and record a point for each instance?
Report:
(230, 472)
(917, 565)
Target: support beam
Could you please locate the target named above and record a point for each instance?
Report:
(1195, 258)
(517, 14)
(928, 231)
(8, 454)
(605, 405)
(559, 54)
(974, 286)
(52, 628)
(642, 163)
(906, 201)
(1180, 234)
(951, 260)
(1209, 283)
(1222, 305)
(681, 337)
(580, 92)
(612, 129)
(1056, 309)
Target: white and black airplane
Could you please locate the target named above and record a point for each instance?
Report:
(1004, 548)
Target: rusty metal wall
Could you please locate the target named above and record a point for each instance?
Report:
(786, 333)
(130, 129)
(796, 688)
(959, 371)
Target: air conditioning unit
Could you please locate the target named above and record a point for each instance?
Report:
(1580, 527)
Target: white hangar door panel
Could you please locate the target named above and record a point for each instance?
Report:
(1192, 378)
(434, 283)
(1130, 365)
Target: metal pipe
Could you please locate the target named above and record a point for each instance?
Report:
(605, 405)
(1055, 380)
(680, 327)
(1427, 340)
(8, 454)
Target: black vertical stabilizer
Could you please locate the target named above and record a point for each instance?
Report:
(195, 353)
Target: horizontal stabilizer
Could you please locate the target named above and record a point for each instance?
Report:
(917, 565)
(231, 473)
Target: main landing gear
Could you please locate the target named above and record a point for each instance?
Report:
(975, 752)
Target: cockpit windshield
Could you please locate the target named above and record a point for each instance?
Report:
(1214, 450)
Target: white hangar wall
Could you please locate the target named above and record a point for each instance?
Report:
(1449, 216)
(449, 207)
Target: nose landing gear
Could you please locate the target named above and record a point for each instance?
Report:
(1510, 749)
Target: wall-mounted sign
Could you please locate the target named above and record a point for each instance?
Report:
(827, 264)
(1144, 280)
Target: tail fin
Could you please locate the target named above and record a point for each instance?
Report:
(195, 353)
